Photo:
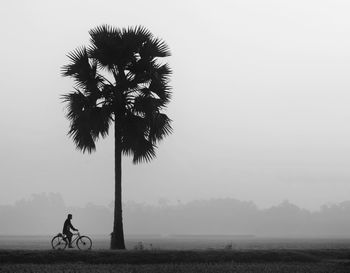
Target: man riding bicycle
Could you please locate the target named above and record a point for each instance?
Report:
(66, 229)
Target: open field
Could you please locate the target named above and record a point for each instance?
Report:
(184, 242)
(172, 256)
(167, 256)
(321, 261)
(179, 254)
(179, 268)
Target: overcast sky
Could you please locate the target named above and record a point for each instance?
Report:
(261, 94)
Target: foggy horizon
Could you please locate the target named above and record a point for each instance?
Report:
(260, 103)
(215, 217)
(165, 202)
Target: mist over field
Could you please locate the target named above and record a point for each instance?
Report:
(44, 214)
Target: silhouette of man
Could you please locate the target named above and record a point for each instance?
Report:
(66, 229)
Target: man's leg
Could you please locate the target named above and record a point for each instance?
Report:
(69, 236)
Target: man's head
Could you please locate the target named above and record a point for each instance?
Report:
(70, 216)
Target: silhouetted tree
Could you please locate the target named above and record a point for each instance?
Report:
(118, 78)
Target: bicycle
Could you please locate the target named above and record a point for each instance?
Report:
(60, 241)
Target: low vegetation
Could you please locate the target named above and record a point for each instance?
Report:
(142, 261)
(171, 256)
(179, 268)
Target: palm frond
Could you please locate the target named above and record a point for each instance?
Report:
(135, 37)
(161, 73)
(79, 60)
(143, 71)
(84, 73)
(134, 141)
(76, 101)
(162, 90)
(88, 121)
(134, 127)
(100, 120)
(154, 48)
(80, 132)
(106, 46)
(147, 104)
(140, 69)
(160, 127)
(142, 150)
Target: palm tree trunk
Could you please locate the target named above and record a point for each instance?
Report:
(117, 239)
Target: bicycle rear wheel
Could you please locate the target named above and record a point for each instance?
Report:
(84, 243)
(58, 242)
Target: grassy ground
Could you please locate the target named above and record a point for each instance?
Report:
(171, 256)
(320, 261)
(178, 268)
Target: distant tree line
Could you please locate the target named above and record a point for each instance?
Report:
(43, 214)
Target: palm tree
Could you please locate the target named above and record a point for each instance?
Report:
(119, 79)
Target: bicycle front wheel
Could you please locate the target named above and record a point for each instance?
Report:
(58, 242)
(84, 243)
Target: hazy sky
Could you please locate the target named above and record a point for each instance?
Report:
(261, 94)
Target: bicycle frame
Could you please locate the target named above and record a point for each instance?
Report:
(75, 237)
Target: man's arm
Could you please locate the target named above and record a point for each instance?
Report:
(71, 226)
